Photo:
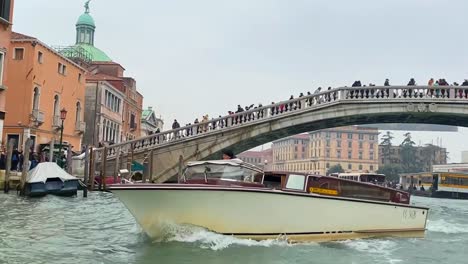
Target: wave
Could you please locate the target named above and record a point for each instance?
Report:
(211, 240)
(446, 227)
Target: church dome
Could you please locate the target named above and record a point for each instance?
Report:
(86, 20)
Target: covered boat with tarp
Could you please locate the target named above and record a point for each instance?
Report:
(49, 178)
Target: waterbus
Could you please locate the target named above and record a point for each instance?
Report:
(450, 185)
(362, 177)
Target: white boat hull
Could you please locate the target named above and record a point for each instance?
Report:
(265, 214)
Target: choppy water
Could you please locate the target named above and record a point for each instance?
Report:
(99, 229)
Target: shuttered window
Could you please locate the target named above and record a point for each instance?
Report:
(5, 9)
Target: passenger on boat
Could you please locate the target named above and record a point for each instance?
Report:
(228, 154)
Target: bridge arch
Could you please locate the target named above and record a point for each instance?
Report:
(447, 105)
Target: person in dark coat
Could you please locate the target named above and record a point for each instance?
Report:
(228, 154)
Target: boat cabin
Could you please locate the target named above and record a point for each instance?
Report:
(238, 173)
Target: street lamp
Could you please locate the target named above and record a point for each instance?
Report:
(63, 115)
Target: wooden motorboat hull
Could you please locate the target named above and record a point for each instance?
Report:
(260, 213)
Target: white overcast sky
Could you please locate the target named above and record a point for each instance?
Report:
(192, 58)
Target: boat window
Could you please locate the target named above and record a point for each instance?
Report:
(295, 182)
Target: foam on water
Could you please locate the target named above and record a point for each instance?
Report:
(211, 240)
(446, 227)
(379, 248)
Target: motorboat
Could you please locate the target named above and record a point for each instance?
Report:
(232, 197)
(49, 178)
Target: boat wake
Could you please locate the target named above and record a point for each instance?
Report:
(211, 240)
(442, 226)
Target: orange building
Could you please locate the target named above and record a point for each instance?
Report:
(42, 82)
(6, 18)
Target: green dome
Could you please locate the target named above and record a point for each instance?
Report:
(95, 53)
(85, 19)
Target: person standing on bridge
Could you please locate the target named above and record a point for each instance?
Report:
(176, 125)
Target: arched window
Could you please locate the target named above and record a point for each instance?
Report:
(56, 105)
(78, 113)
(36, 98)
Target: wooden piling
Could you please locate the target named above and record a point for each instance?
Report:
(145, 169)
(103, 168)
(150, 166)
(181, 167)
(131, 159)
(10, 145)
(86, 171)
(92, 168)
(51, 150)
(24, 173)
(117, 164)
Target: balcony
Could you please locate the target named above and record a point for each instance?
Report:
(80, 127)
(38, 116)
(56, 122)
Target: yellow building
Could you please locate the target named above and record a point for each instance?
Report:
(354, 148)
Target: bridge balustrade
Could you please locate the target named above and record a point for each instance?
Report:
(296, 105)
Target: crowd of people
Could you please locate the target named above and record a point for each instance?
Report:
(17, 160)
(238, 117)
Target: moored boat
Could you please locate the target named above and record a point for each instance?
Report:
(235, 198)
(49, 178)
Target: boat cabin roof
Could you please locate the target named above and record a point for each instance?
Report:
(230, 162)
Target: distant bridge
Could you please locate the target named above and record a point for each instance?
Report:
(445, 105)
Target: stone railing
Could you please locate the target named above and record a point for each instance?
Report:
(301, 104)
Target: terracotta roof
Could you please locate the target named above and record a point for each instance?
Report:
(16, 35)
(300, 136)
(102, 77)
(106, 63)
(256, 154)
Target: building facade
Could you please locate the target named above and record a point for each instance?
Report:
(44, 82)
(149, 122)
(6, 20)
(262, 159)
(354, 148)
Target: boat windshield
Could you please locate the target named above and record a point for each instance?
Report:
(223, 172)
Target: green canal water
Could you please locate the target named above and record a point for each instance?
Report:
(99, 229)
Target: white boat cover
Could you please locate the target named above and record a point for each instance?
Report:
(45, 170)
(232, 162)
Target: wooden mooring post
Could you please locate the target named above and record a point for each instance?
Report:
(92, 168)
(181, 168)
(150, 166)
(10, 145)
(24, 173)
(117, 165)
(103, 168)
(86, 171)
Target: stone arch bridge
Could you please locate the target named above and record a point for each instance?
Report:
(445, 105)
